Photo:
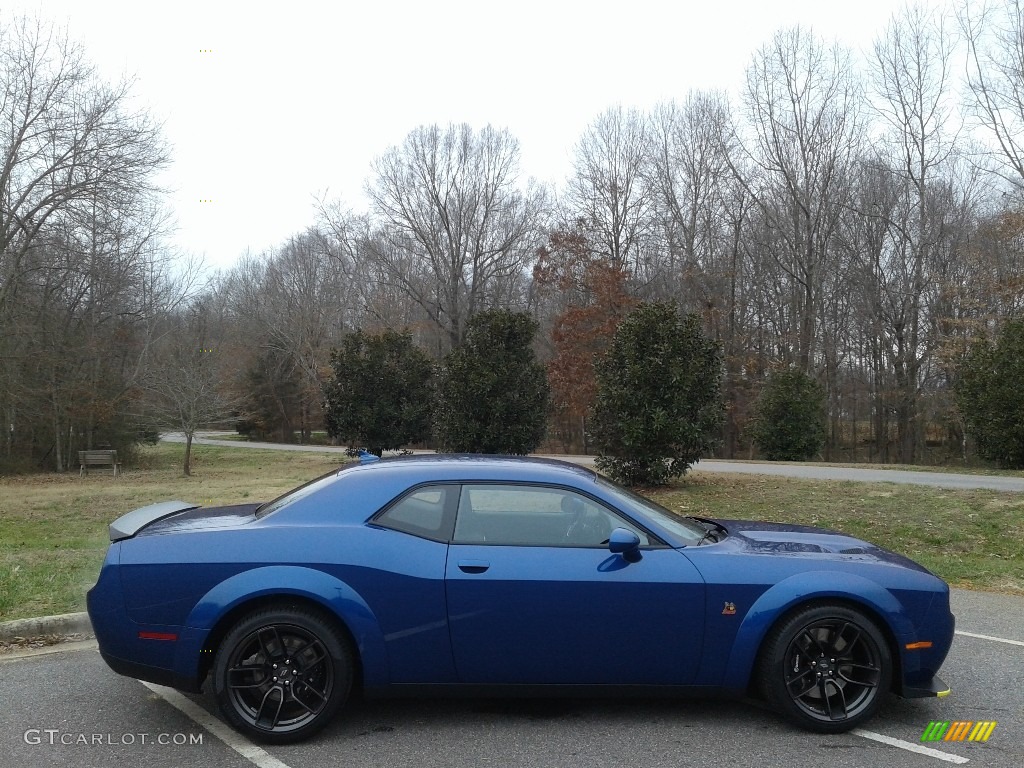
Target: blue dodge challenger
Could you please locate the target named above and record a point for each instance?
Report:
(499, 575)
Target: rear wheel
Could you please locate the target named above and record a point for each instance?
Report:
(827, 668)
(280, 675)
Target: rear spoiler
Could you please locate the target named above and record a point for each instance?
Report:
(129, 524)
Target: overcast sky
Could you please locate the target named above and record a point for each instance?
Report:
(268, 106)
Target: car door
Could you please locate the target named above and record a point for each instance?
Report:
(535, 596)
(409, 538)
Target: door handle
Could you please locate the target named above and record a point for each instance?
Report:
(473, 566)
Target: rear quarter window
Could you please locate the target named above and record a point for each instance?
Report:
(427, 512)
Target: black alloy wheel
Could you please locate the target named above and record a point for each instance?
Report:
(827, 668)
(280, 675)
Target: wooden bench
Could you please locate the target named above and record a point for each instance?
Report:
(88, 459)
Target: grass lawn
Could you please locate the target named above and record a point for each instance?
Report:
(53, 528)
(954, 468)
(972, 539)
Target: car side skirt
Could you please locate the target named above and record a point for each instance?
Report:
(457, 690)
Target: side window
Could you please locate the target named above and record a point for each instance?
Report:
(423, 512)
(534, 516)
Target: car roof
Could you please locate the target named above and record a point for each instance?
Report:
(475, 466)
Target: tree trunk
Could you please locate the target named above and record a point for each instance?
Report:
(187, 467)
(8, 427)
(57, 436)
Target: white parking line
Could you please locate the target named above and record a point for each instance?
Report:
(909, 746)
(262, 759)
(989, 637)
(256, 755)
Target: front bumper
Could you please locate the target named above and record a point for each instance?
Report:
(934, 687)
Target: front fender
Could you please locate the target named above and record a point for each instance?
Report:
(284, 580)
(802, 588)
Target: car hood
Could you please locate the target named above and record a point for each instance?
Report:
(781, 539)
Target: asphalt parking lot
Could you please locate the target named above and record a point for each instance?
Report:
(68, 709)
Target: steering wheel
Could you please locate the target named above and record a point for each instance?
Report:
(586, 527)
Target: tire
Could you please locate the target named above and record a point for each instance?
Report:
(270, 700)
(826, 668)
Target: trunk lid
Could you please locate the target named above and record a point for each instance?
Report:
(179, 516)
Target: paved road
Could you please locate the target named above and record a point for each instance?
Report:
(73, 693)
(935, 479)
(905, 477)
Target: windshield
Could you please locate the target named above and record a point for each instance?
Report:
(298, 493)
(690, 531)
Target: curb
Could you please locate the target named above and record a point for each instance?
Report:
(20, 654)
(64, 624)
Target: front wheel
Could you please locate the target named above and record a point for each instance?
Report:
(826, 668)
(281, 675)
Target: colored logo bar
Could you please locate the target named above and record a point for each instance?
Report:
(958, 730)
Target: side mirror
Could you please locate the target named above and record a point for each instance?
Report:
(626, 543)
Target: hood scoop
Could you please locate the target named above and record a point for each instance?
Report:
(800, 541)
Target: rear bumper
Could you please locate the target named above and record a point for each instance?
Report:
(157, 675)
(119, 638)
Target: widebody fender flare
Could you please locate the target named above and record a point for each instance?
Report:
(802, 588)
(283, 581)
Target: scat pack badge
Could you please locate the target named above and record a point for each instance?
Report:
(729, 609)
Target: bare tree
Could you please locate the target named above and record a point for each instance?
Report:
(912, 81)
(306, 306)
(183, 384)
(690, 171)
(65, 137)
(995, 79)
(82, 270)
(453, 228)
(702, 213)
(802, 108)
(688, 165)
(608, 190)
